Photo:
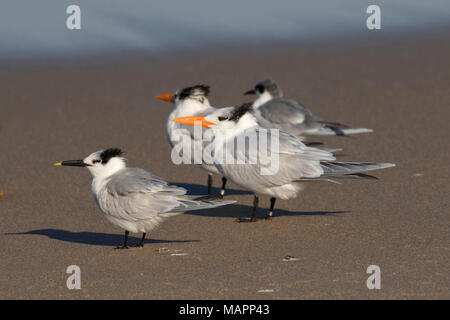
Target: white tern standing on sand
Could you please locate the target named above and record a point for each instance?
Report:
(190, 101)
(274, 111)
(135, 199)
(296, 161)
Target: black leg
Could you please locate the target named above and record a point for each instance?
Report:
(125, 242)
(224, 182)
(253, 218)
(255, 207)
(126, 239)
(272, 204)
(142, 240)
(209, 184)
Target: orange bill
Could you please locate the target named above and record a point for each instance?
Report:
(194, 121)
(166, 97)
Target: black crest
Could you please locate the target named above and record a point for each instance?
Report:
(240, 111)
(199, 89)
(110, 153)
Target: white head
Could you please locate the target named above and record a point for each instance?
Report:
(232, 119)
(189, 100)
(265, 91)
(101, 164)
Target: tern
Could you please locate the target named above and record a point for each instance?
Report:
(297, 163)
(272, 110)
(190, 101)
(134, 199)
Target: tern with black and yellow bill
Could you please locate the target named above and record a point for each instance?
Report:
(73, 163)
(134, 199)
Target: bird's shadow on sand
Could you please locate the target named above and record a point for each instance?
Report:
(241, 211)
(198, 189)
(92, 238)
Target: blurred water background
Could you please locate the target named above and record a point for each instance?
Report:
(38, 28)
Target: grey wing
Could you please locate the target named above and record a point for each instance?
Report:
(135, 194)
(288, 162)
(288, 115)
(295, 118)
(281, 111)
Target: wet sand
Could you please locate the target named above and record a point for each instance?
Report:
(52, 111)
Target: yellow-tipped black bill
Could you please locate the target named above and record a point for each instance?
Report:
(73, 163)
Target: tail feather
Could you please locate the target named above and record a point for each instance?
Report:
(351, 169)
(359, 176)
(331, 150)
(312, 143)
(317, 179)
(209, 197)
(190, 203)
(336, 129)
(336, 125)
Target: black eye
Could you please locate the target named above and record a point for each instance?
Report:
(260, 88)
(96, 161)
(223, 118)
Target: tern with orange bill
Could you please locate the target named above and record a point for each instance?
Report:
(190, 101)
(134, 199)
(296, 162)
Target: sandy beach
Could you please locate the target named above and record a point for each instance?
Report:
(57, 110)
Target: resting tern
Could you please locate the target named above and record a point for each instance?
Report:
(190, 101)
(274, 111)
(134, 199)
(296, 161)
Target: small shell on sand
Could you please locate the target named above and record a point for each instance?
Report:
(290, 258)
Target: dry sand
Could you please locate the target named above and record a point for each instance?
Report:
(57, 111)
